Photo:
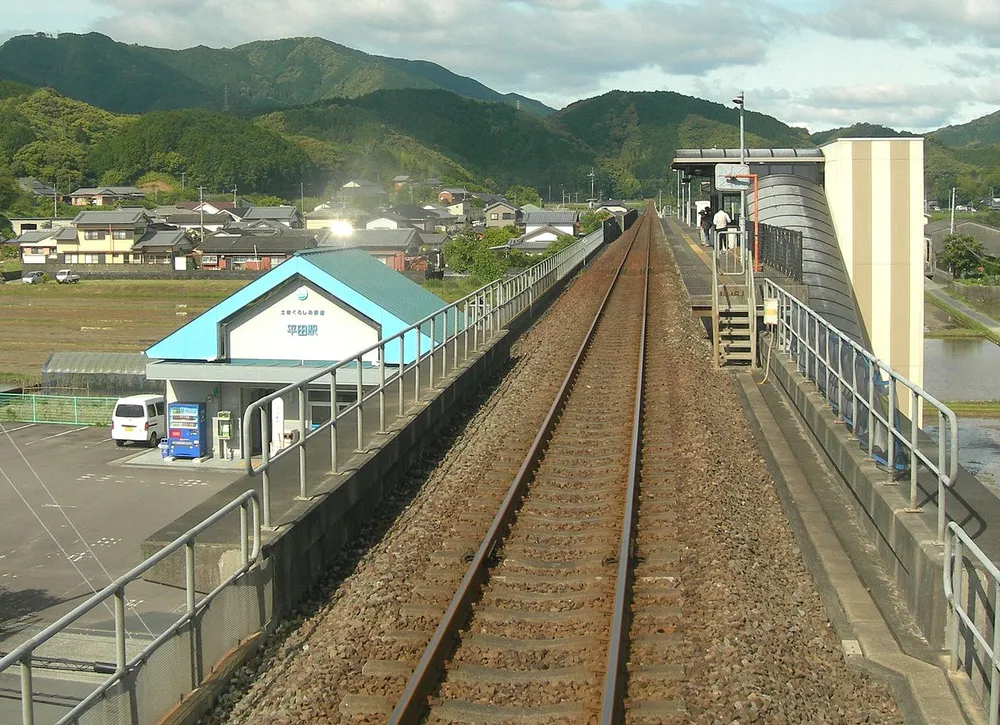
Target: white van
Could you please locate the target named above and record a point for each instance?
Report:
(140, 418)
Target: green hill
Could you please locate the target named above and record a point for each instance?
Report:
(979, 132)
(259, 75)
(637, 133)
(858, 130)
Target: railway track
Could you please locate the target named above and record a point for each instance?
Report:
(542, 614)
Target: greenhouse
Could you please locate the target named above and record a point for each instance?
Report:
(114, 374)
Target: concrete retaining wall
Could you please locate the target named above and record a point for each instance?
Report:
(906, 541)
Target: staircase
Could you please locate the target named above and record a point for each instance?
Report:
(733, 332)
(734, 307)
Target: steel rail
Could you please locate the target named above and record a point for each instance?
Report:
(413, 702)
(614, 679)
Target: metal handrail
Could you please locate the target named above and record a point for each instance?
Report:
(461, 327)
(249, 557)
(832, 360)
(956, 543)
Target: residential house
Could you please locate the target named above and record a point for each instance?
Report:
(461, 210)
(20, 225)
(190, 220)
(235, 210)
(105, 237)
(501, 214)
(417, 216)
(38, 246)
(432, 182)
(252, 251)
(290, 216)
(612, 207)
(164, 246)
(360, 189)
(105, 195)
(443, 219)
(398, 182)
(334, 216)
(388, 220)
(37, 189)
(450, 196)
(391, 247)
(486, 198)
(259, 227)
(936, 232)
(535, 241)
(563, 219)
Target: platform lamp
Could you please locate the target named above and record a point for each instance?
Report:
(739, 101)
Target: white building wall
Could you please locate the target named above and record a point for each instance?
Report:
(302, 325)
(875, 191)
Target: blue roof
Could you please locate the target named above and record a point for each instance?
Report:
(350, 275)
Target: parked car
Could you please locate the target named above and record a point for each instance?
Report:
(139, 418)
(64, 276)
(32, 277)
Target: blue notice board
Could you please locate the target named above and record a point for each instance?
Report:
(187, 430)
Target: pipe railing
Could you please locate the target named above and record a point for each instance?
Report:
(957, 544)
(880, 407)
(248, 505)
(403, 366)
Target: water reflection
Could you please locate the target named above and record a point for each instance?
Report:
(962, 369)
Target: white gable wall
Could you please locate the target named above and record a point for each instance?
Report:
(302, 325)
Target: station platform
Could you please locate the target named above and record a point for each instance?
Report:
(884, 624)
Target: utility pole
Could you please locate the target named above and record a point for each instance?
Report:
(201, 210)
(302, 199)
(952, 230)
(234, 193)
(591, 184)
(183, 174)
(55, 200)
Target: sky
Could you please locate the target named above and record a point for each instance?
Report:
(913, 65)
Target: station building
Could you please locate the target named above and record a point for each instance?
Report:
(320, 307)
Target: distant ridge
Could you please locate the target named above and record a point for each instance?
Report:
(260, 75)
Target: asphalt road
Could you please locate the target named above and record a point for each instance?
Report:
(73, 514)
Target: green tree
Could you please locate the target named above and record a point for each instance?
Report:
(591, 221)
(963, 255)
(520, 195)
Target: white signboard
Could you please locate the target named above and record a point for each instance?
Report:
(732, 177)
(277, 425)
(301, 325)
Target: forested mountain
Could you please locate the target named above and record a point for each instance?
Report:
(259, 75)
(305, 112)
(636, 133)
(979, 132)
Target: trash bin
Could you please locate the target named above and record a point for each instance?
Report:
(164, 447)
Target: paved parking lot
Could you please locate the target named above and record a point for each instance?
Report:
(72, 511)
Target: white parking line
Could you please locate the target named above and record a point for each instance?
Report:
(22, 427)
(56, 435)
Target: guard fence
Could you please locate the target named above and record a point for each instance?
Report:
(64, 409)
(880, 407)
(149, 675)
(780, 249)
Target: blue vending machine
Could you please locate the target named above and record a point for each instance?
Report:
(187, 430)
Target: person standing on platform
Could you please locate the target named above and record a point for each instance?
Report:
(706, 226)
(721, 221)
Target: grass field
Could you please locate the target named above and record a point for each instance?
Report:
(95, 315)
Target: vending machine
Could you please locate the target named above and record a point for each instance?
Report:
(187, 431)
